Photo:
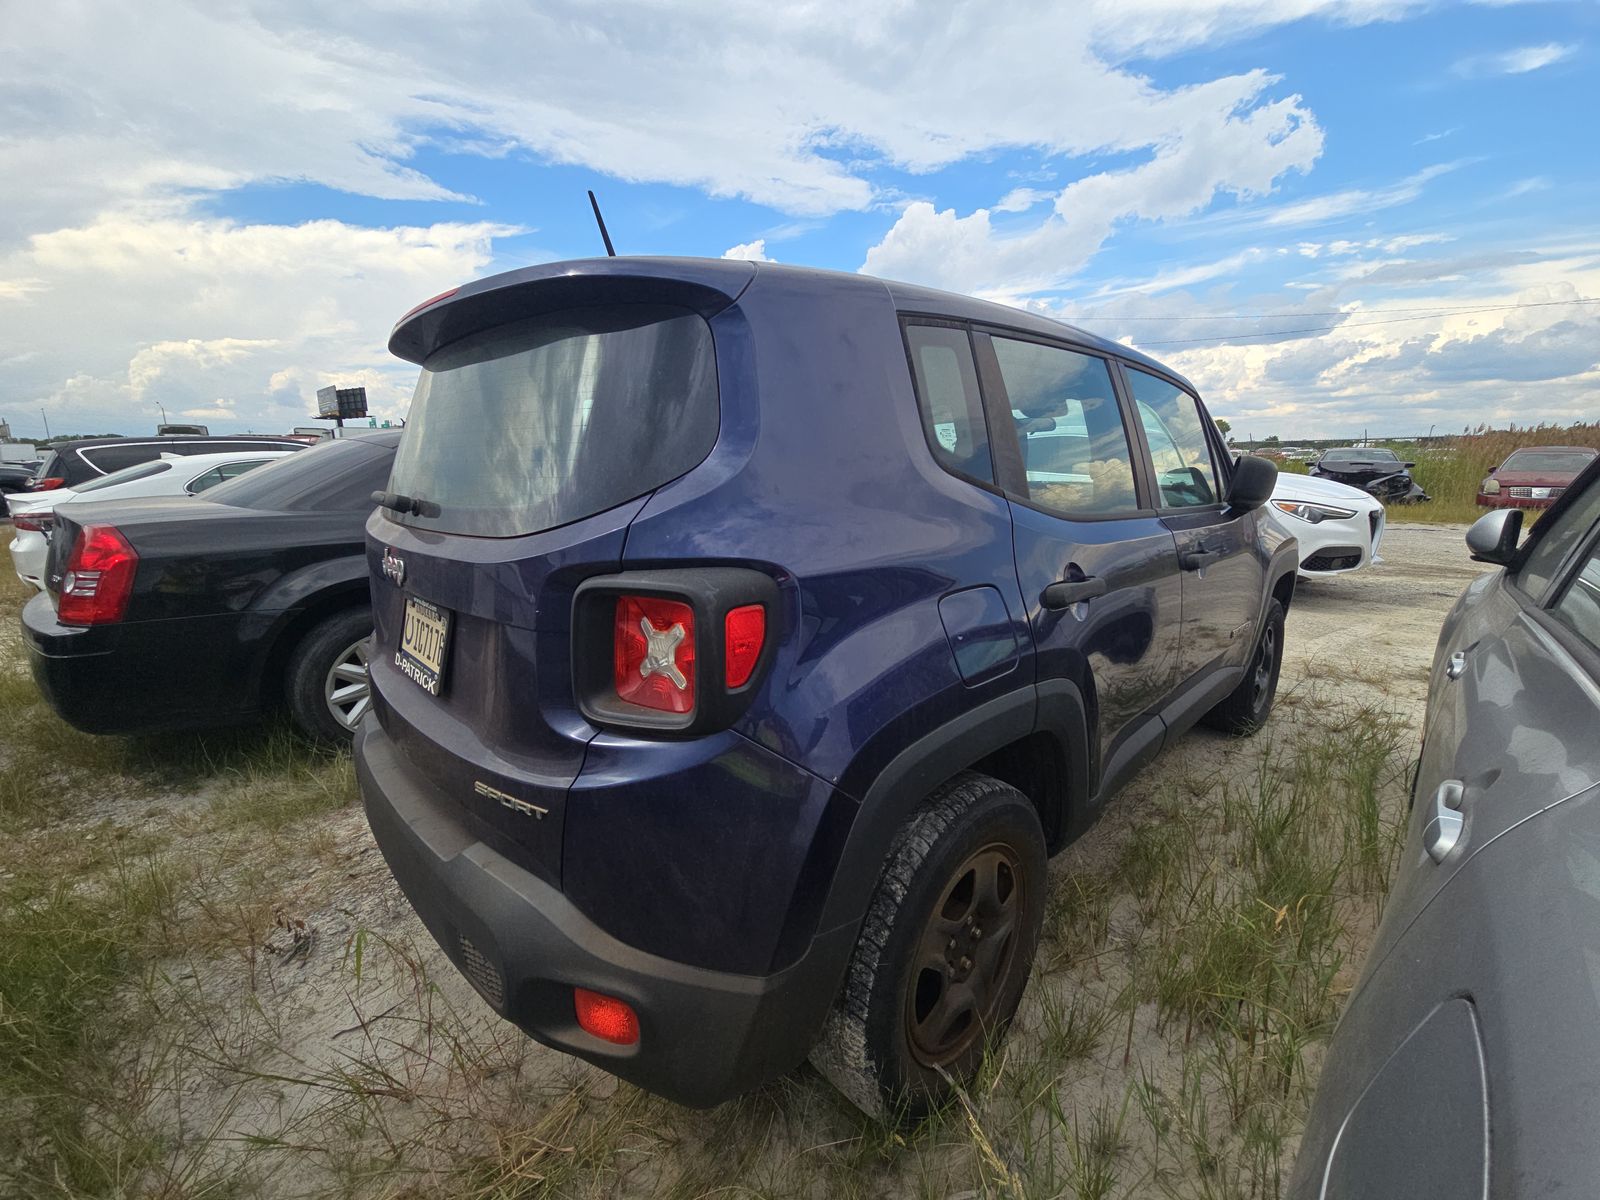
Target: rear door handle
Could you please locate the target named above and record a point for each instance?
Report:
(1457, 666)
(1445, 823)
(1070, 591)
(1193, 560)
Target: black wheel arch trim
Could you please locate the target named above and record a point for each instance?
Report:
(1053, 707)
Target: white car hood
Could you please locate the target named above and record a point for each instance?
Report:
(1321, 491)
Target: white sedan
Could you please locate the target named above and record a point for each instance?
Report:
(1339, 527)
(33, 514)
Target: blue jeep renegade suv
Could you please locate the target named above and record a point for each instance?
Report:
(747, 637)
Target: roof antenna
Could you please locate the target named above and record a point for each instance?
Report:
(601, 221)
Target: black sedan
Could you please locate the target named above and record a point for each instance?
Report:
(1468, 1060)
(1378, 472)
(178, 613)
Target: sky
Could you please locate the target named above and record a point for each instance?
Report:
(1334, 216)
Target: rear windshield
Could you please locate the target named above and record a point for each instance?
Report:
(541, 422)
(126, 475)
(336, 476)
(1553, 462)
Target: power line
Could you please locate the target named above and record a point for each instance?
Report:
(1438, 310)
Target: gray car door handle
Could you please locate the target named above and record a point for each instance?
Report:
(1457, 667)
(1445, 822)
(1199, 557)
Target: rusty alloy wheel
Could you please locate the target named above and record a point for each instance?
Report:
(964, 956)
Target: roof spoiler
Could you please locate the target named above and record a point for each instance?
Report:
(705, 286)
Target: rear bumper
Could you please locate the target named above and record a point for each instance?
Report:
(132, 678)
(705, 1036)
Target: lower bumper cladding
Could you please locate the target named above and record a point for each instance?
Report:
(700, 1036)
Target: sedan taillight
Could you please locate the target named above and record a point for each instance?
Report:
(98, 579)
(34, 522)
(48, 484)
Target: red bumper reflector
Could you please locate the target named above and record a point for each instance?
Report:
(609, 1019)
(744, 631)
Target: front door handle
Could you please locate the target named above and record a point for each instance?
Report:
(1193, 560)
(1070, 591)
(1457, 666)
(1443, 831)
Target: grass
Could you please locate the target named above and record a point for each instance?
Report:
(207, 988)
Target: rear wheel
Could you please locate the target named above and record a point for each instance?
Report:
(944, 952)
(327, 684)
(1248, 706)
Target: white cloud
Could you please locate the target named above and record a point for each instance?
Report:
(1519, 61)
(1021, 199)
(755, 251)
(1234, 145)
(245, 321)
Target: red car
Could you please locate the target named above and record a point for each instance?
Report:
(1534, 476)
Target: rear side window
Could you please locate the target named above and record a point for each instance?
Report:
(948, 396)
(1185, 476)
(223, 473)
(542, 422)
(1065, 412)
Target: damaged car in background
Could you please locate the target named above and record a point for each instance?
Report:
(1380, 473)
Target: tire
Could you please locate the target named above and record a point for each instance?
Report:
(335, 644)
(898, 1035)
(1246, 709)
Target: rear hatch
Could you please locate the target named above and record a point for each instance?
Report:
(529, 448)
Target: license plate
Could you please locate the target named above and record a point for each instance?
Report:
(1541, 493)
(424, 641)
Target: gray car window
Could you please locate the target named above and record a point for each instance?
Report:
(1555, 541)
(1579, 605)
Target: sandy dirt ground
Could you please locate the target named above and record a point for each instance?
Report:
(349, 1004)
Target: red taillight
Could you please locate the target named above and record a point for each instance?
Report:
(653, 644)
(744, 630)
(34, 522)
(48, 484)
(98, 579)
(606, 1017)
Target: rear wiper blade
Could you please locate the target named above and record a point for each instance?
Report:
(405, 504)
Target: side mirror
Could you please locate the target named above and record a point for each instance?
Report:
(1493, 536)
(1408, 465)
(1253, 481)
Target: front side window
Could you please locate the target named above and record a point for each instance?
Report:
(950, 403)
(1067, 420)
(545, 421)
(1179, 451)
(1579, 606)
(1554, 540)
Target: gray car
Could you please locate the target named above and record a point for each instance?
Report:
(1467, 1063)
